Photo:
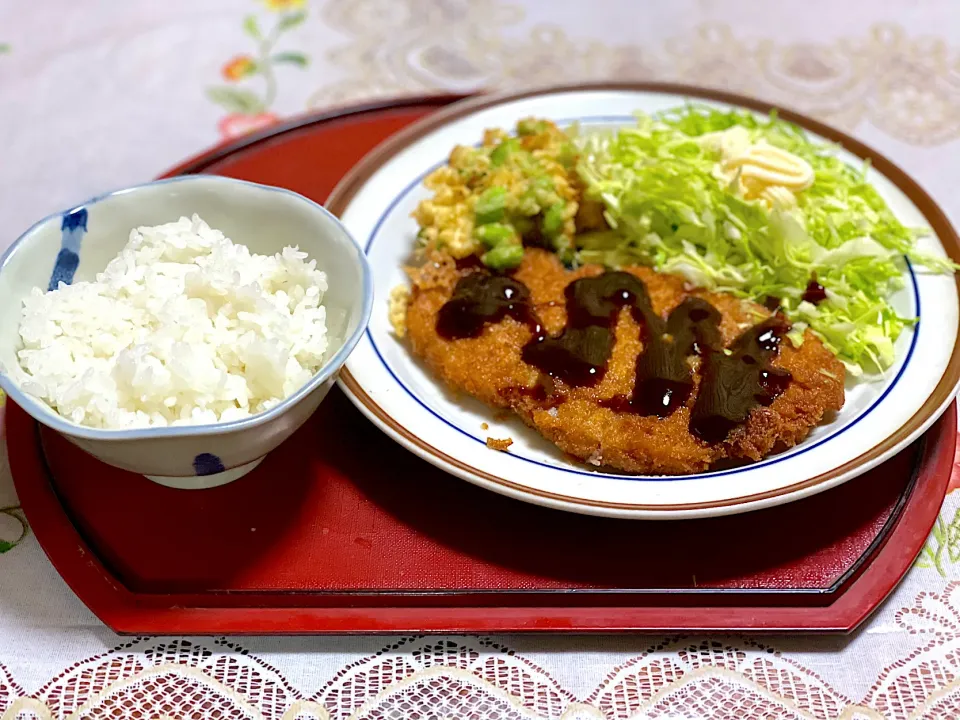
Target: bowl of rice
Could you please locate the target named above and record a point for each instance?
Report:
(184, 328)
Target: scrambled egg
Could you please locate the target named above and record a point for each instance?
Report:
(399, 300)
(488, 200)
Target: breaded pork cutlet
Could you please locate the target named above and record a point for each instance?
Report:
(591, 422)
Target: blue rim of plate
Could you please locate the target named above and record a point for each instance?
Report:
(789, 454)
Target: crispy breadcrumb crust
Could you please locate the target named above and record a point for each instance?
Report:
(490, 368)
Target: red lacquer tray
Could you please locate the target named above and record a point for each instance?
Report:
(340, 530)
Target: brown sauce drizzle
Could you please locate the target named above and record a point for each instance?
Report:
(732, 385)
(815, 292)
(578, 355)
(481, 298)
(733, 381)
(771, 303)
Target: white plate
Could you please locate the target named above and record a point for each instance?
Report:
(398, 394)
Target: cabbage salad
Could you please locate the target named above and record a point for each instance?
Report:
(749, 205)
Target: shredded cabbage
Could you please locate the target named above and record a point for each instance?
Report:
(668, 210)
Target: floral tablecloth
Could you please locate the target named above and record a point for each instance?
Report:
(98, 95)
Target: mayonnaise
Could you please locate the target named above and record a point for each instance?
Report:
(759, 171)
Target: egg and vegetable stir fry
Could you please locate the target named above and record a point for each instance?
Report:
(491, 199)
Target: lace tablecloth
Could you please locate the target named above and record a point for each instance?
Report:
(98, 95)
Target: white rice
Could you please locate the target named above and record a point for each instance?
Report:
(183, 327)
